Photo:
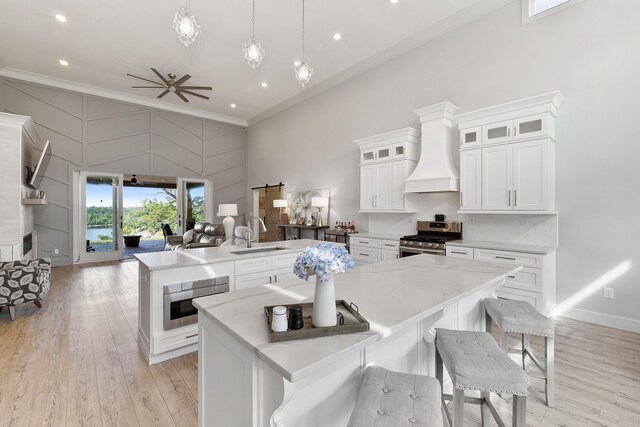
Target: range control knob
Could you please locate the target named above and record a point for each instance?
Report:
(431, 245)
(410, 243)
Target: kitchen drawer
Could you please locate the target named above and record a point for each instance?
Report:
(519, 258)
(286, 275)
(253, 279)
(363, 241)
(283, 261)
(253, 265)
(528, 279)
(365, 254)
(175, 338)
(390, 245)
(533, 298)
(460, 252)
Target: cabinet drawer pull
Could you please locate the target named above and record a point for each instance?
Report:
(511, 277)
(270, 280)
(192, 335)
(461, 199)
(509, 198)
(362, 242)
(275, 278)
(505, 257)
(391, 245)
(515, 197)
(457, 252)
(363, 254)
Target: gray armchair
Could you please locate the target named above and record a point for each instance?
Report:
(203, 235)
(22, 282)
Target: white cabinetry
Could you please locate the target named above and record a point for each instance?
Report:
(386, 161)
(507, 157)
(535, 283)
(264, 270)
(365, 250)
(10, 252)
(471, 179)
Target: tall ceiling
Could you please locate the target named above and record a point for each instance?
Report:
(104, 40)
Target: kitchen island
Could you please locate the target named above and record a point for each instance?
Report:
(163, 332)
(243, 380)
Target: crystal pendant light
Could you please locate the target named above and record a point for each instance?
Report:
(186, 25)
(253, 51)
(303, 71)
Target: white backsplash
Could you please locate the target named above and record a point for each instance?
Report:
(525, 229)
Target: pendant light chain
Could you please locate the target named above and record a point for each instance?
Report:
(253, 19)
(303, 29)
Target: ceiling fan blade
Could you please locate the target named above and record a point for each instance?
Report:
(184, 98)
(196, 87)
(147, 87)
(142, 78)
(182, 79)
(194, 94)
(164, 93)
(166, 82)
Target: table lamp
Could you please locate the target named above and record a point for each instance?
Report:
(228, 211)
(319, 202)
(281, 203)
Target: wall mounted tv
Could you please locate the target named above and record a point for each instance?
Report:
(34, 177)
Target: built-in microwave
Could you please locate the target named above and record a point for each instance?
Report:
(178, 297)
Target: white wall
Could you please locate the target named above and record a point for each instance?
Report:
(590, 52)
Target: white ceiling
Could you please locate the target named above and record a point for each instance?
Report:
(104, 40)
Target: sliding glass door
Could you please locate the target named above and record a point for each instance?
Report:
(100, 216)
(194, 202)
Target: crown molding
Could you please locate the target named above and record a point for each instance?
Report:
(448, 24)
(27, 76)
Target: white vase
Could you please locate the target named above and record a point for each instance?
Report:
(324, 303)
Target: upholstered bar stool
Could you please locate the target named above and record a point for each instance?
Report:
(520, 317)
(475, 362)
(393, 399)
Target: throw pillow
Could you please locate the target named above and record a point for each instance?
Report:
(188, 237)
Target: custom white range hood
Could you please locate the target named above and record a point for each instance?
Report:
(436, 171)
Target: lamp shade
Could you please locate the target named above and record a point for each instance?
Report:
(319, 202)
(230, 209)
(279, 203)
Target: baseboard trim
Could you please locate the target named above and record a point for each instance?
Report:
(602, 319)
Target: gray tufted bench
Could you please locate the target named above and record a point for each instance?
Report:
(475, 362)
(392, 399)
(520, 317)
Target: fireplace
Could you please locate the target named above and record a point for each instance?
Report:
(27, 244)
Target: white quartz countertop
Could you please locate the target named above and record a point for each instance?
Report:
(501, 246)
(377, 236)
(391, 295)
(188, 257)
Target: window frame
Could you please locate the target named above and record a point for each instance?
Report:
(527, 7)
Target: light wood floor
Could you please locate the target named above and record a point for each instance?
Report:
(75, 362)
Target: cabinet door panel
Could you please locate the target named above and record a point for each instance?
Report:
(470, 137)
(368, 186)
(497, 177)
(530, 175)
(252, 280)
(383, 200)
(497, 132)
(389, 254)
(397, 192)
(471, 180)
(532, 126)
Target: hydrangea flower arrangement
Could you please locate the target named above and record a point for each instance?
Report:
(324, 259)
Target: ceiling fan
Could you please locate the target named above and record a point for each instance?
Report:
(172, 85)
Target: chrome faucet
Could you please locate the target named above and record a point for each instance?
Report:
(264, 228)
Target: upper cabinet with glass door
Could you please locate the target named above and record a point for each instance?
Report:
(530, 118)
(400, 144)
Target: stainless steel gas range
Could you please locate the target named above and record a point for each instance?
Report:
(431, 239)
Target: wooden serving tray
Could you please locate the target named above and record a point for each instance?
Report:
(349, 321)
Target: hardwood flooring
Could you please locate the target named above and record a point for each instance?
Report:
(75, 362)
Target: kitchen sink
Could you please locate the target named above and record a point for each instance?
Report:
(257, 250)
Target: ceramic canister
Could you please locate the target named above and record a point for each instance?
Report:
(279, 321)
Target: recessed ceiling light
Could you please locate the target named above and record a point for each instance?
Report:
(296, 63)
(264, 84)
(63, 62)
(337, 36)
(394, 1)
(61, 18)
(233, 105)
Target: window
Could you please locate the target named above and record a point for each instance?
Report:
(536, 9)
